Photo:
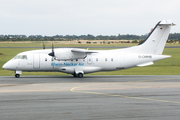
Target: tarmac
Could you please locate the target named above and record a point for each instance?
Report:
(90, 97)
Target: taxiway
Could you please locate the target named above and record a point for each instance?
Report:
(91, 97)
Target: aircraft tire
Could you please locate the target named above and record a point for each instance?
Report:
(80, 75)
(17, 75)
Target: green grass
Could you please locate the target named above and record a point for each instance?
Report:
(57, 44)
(49, 44)
(170, 66)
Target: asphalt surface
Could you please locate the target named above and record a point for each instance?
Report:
(90, 98)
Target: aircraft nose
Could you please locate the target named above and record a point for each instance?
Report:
(5, 66)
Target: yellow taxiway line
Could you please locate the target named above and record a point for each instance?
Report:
(141, 98)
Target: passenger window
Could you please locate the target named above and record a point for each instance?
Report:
(96, 59)
(76, 59)
(111, 59)
(45, 59)
(89, 59)
(105, 59)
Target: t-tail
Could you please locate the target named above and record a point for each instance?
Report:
(156, 40)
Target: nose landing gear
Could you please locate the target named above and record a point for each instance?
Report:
(17, 75)
(18, 72)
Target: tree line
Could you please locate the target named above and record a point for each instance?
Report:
(172, 36)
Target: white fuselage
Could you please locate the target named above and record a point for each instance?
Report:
(108, 60)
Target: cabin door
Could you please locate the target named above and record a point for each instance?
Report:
(120, 62)
(36, 61)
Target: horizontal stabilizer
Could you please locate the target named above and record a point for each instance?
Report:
(145, 64)
(166, 22)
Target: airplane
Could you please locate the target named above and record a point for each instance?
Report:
(78, 62)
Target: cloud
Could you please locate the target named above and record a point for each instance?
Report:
(50, 17)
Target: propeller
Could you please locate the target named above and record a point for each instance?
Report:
(52, 53)
(43, 45)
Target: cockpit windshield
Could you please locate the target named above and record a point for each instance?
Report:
(21, 57)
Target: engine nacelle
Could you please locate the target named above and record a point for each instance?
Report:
(67, 54)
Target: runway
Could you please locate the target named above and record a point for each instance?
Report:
(90, 98)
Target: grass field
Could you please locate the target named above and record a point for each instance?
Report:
(67, 44)
(57, 44)
(170, 66)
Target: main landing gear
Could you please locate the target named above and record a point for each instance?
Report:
(79, 75)
(17, 75)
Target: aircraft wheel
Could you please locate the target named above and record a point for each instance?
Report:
(17, 75)
(80, 75)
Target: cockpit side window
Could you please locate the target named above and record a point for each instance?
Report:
(24, 57)
(21, 57)
(17, 57)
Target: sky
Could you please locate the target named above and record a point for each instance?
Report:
(82, 17)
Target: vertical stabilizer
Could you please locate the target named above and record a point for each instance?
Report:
(155, 42)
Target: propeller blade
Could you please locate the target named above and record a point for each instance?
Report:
(43, 46)
(52, 47)
(52, 53)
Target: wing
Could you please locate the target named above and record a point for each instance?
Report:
(83, 51)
